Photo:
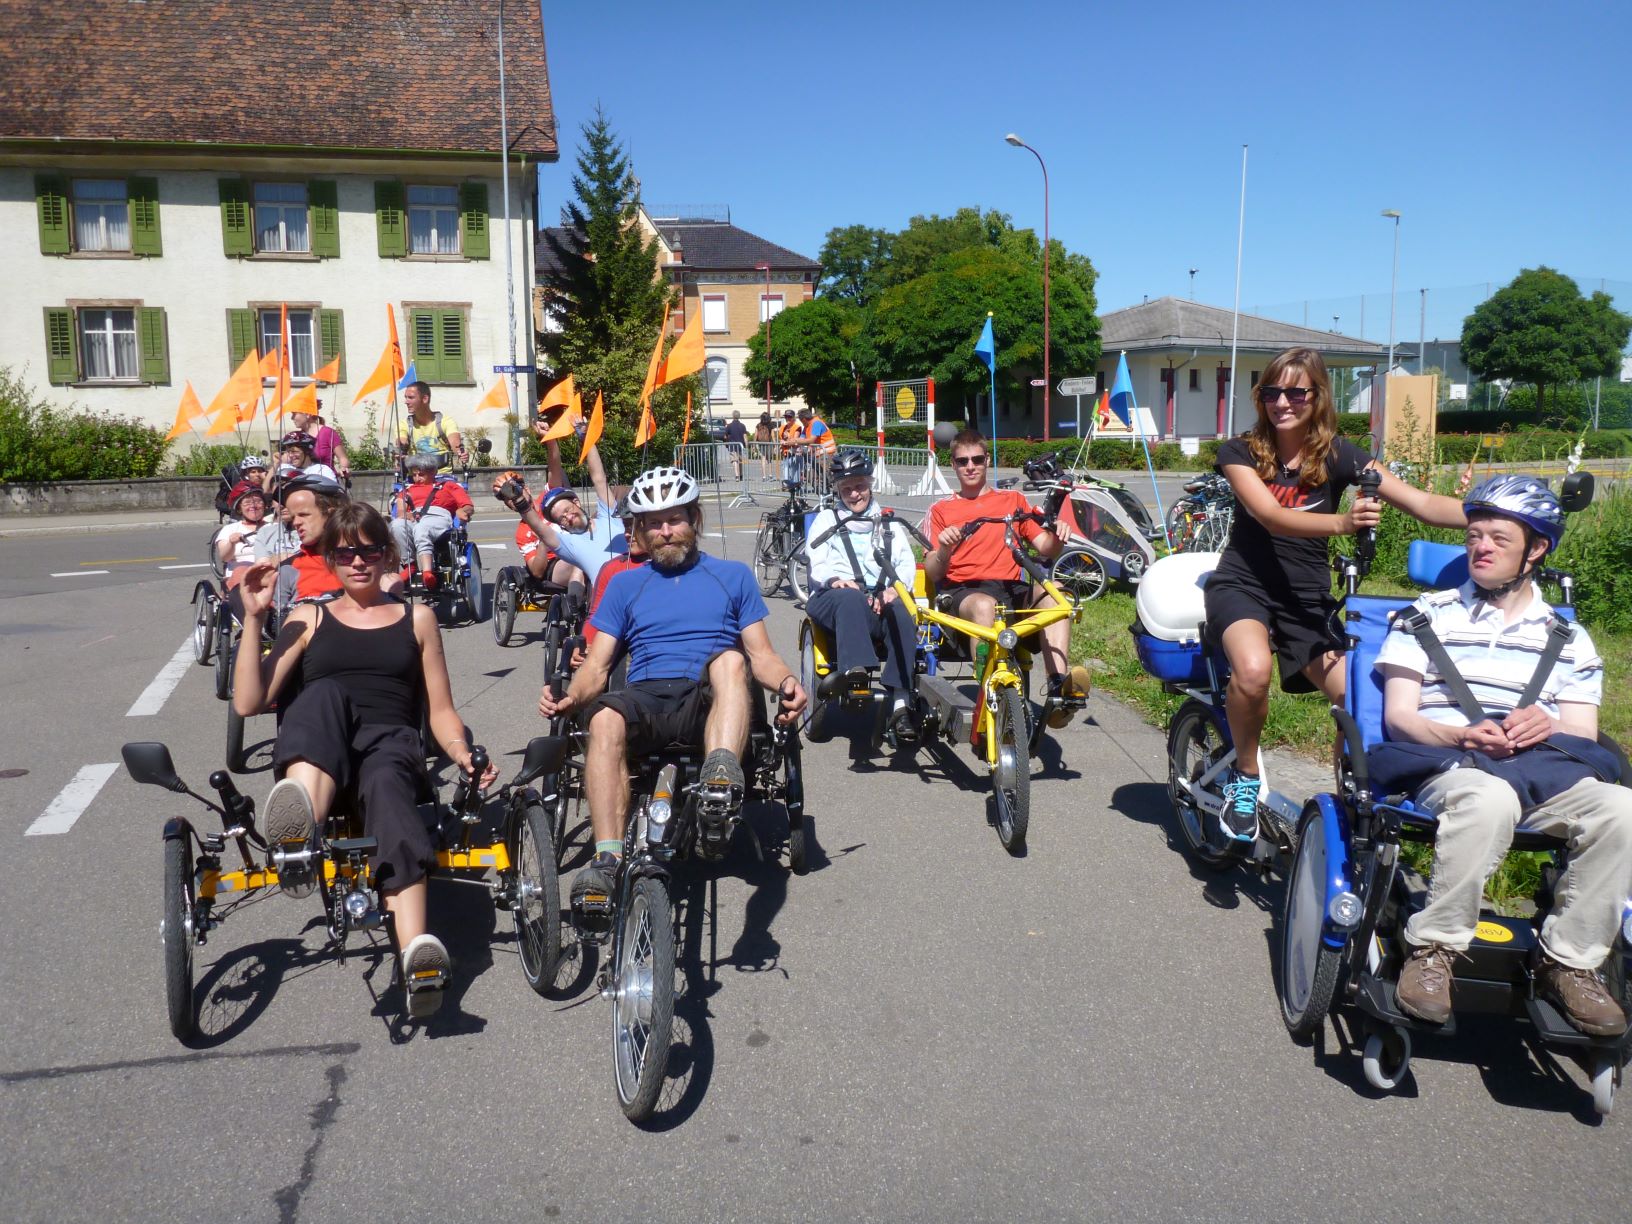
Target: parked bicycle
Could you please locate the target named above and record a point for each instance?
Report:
(1200, 521)
(779, 545)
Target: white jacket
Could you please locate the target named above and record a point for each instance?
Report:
(830, 560)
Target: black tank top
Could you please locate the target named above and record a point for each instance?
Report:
(378, 668)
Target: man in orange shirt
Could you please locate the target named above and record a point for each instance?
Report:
(974, 574)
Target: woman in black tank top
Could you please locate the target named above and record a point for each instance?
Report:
(367, 663)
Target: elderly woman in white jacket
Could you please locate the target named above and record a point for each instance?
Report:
(867, 620)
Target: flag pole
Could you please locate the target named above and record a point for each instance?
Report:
(1235, 325)
(1139, 428)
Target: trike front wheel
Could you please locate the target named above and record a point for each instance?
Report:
(177, 929)
(643, 998)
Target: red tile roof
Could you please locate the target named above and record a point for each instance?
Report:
(337, 74)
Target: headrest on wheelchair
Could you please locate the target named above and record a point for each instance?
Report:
(1436, 566)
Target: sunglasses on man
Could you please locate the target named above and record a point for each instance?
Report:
(969, 461)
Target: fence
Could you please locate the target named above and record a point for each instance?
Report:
(759, 470)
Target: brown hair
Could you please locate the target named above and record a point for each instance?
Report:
(967, 437)
(1317, 444)
(355, 523)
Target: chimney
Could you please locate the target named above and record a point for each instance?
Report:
(676, 255)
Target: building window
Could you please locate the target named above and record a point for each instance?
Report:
(1195, 380)
(440, 352)
(718, 373)
(1255, 378)
(302, 352)
(107, 343)
(433, 220)
(280, 218)
(714, 313)
(101, 215)
(770, 305)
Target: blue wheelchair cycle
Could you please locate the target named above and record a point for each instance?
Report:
(1349, 893)
(459, 594)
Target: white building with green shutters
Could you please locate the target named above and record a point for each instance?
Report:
(150, 244)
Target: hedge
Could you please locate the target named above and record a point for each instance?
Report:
(41, 443)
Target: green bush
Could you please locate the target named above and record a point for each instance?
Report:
(207, 460)
(1597, 549)
(39, 442)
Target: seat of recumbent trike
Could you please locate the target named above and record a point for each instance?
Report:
(1435, 567)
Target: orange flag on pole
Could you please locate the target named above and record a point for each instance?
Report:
(565, 427)
(648, 427)
(281, 394)
(498, 396)
(304, 400)
(244, 387)
(558, 396)
(652, 368)
(329, 374)
(597, 423)
(685, 430)
(189, 410)
(390, 370)
(687, 356)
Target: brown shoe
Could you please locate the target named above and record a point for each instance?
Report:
(1580, 994)
(1424, 988)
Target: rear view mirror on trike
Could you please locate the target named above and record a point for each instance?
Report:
(1576, 492)
(150, 764)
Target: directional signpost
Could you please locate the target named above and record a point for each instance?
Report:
(1077, 388)
(512, 369)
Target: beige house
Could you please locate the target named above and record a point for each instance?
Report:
(740, 282)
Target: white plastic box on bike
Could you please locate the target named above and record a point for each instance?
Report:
(1171, 610)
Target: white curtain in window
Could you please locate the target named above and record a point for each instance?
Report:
(713, 314)
(101, 215)
(107, 342)
(433, 220)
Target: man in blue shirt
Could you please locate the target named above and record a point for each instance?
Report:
(694, 628)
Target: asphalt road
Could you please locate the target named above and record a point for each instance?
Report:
(921, 1028)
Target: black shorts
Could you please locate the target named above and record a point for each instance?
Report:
(1299, 631)
(659, 713)
(1013, 595)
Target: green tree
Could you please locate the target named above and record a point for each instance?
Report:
(914, 250)
(812, 354)
(1540, 330)
(852, 258)
(606, 293)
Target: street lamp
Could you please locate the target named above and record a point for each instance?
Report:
(1382, 418)
(765, 306)
(1047, 386)
(1193, 272)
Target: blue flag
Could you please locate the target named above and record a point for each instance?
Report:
(409, 377)
(1122, 392)
(986, 346)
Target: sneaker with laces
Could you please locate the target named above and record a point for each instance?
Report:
(1069, 693)
(289, 825)
(1582, 997)
(1239, 815)
(1424, 988)
(721, 783)
(425, 965)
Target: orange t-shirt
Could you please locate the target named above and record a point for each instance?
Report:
(312, 575)
(982, 557)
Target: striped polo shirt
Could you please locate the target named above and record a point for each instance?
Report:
(1496, 659)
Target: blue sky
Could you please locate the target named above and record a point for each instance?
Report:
(1498, 129)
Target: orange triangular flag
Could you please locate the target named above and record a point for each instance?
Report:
(577, 405)
(687, 356)
(597, 423)
(498, 396)
(565, 427)
(685, 430)
(648, 427)
(189, 410)
(558, 396)
(281, 394)
(652, 368)
(232, 417)
(329, 374)
(244, 387)
(304, 400)
(397, 368)
(269, 364)
(388, 371)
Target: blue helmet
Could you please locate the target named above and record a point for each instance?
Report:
(1524, 499)
(549, 497)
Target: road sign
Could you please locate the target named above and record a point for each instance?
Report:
(1037, 382)
(512, 369)
(1078, 386)
(1492, 441)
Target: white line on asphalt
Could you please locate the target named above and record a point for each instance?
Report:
(491, 544)
(157, 693)
(80, 573)
(72, 800)
(189, 565)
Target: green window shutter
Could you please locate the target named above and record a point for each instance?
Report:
(237, 237)
(331, 338)
(389, 219)
(61, 346)
(452, 351)
(241, 337)
(153, 342)
(473, 220)
(51, 200)
(422, 329)
(144, 216)
(323, 199)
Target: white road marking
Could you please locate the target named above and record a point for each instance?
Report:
(80, 573)
(189, 565)
(72, 800)
(494, 545)
(158, 692)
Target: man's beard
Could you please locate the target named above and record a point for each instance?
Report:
(674, 555)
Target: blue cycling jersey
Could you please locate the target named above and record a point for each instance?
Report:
(674, 621)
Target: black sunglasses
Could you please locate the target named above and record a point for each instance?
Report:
(969, 460)
(370, 553)
(1294, 395)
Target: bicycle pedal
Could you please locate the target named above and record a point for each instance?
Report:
(592, 927)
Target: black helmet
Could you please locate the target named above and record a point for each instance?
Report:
(850, 463)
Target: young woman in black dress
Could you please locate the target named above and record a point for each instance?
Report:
(1288, 473)
(367, 660)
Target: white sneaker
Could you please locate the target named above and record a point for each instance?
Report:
(290, 824)
(425, 966)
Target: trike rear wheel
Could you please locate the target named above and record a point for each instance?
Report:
(537, 911)
(1195, 742)
(504, 607)
(768, 557)
(203, 624)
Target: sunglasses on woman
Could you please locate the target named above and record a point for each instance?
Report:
(1294, 395)
(370, 554)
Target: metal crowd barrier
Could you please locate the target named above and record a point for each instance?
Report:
(761, 467)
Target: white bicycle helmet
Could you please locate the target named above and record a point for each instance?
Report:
(662, 488)
(252, 463)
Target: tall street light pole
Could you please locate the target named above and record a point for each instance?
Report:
(1047, 381)
(1393, 284)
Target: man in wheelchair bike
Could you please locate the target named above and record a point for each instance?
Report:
(425, 512)
(847, 599)
(1501, 713)
(577, 544)
(694, 628)
(974, 572)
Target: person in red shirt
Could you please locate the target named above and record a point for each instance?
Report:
(975, 574)
(538, 557)
(425, 510)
